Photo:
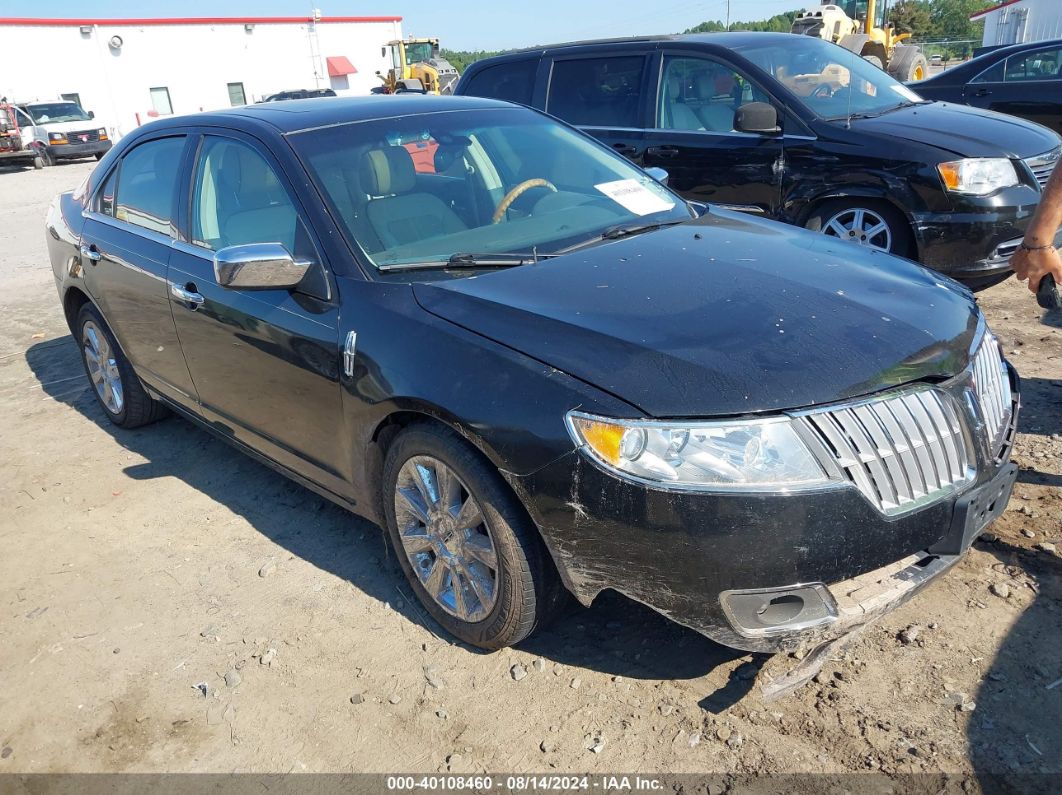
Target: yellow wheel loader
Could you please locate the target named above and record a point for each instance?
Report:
(858, 26)
(417, 67)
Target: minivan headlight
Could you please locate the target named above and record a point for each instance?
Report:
(978, 176)
(737, 455)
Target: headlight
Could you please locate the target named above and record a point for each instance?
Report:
(56, 136)
(102, 133)
(738, 455)
(978, 176)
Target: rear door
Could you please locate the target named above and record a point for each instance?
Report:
(605, 95)
(694, 140)
(265, 363)
(1027, 85)
(125, 251)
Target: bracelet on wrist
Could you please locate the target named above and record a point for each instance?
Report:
(1046, 247)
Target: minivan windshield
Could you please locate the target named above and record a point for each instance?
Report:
(47, 112)
(451, 188)
(833, 82)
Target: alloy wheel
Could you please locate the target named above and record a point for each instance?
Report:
(860, 225)
(446, 538)
(102, 367)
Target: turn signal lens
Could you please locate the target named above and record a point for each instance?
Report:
(603, 437)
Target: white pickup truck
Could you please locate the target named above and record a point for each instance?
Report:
(61, 130)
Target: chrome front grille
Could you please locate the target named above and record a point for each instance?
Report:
(89, 135)
(992, 387)
(900, 450)
(1042, 165)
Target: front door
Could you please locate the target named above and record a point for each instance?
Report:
(695, 142)
(125, 250)
(1027, 85)
(266, 363)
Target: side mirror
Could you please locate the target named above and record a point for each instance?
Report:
(757, 117)
(657, 173)
(92, 114)
(700, 208)
(258, 266)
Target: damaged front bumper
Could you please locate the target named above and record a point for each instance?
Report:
(759, 572)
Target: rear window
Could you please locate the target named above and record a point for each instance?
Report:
(512, 81)
(598, 92)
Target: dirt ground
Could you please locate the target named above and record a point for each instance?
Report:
(131, 583)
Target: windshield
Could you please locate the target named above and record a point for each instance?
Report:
(56, 111)
(421, 188)
(420, 52)
(830, 80)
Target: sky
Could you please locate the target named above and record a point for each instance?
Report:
(460, 25)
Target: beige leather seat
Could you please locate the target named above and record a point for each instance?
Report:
(396, 213)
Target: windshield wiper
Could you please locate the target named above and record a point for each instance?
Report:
(626, 230)
(465, 259)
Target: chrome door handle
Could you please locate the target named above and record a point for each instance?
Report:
(90, 253)
(190, 297)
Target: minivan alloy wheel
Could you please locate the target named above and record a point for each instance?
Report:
(102, 367)
(446, 538)
(860, 225)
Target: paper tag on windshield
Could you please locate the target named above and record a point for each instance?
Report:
(634, 196)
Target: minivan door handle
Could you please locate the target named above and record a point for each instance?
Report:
(982, 92)
(187, 295)
(91, 253)
(626, 149)
(663, 151)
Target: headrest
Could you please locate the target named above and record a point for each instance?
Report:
(674, 88)
(705, 85)
(387, 170)
(247, 175)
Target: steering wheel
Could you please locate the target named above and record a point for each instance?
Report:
(823, 90)
(516, 192)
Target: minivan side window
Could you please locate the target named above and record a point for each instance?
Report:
(512, 81)
(1039, 65)
(700, 94)
(147, 185)
(597, 92)
(993, 74)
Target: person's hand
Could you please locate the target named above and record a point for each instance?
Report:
(1034, 265)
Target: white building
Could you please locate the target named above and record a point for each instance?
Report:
(129, 71)
(1019, 21)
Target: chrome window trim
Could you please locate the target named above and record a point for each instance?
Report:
(125, 226)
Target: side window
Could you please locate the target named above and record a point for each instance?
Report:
(993, 74)
(1039, 65)
(148, 183)
(512, 81)
(597, 92)
(105, 202)
(702, 94)
(238, 198)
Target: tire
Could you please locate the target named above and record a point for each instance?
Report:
(38, 163)
(898, 240)
(117, 388)
(498, 607)
(875, 60)
(46, 157)
(907, 64)
(98, 156)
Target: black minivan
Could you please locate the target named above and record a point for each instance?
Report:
(799, 130)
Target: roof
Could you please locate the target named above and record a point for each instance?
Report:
(726, 39)
(985, 11)
(150, 21)
(288, 116)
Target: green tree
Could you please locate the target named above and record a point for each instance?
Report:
(912, 16)
(462, 58)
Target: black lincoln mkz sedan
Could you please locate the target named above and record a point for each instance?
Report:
(540, 369)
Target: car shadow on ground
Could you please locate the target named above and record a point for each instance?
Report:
(1014, 731)
(616, 635)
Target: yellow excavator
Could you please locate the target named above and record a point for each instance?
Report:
(417, 67)
(862, 27)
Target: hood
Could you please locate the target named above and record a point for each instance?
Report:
(723, 315)
(72, 126)
(965, 131)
